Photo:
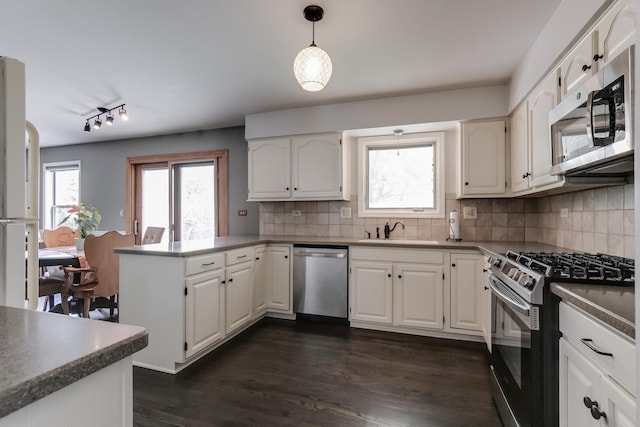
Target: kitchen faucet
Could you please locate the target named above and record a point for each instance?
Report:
(387, 230)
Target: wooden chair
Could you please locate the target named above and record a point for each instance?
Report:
(152, 235)
(49, 286)
(102, 278)
(61, 236)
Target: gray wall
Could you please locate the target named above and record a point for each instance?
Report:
(103, 171)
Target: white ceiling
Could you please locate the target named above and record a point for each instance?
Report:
(202, 64)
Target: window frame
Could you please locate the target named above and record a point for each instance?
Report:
(391, 141)
(47, 204)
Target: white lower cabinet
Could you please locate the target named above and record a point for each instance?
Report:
(278, 278)
(204, 310)
(597, 373)
(371, 292)
(239, 295)
(418, 295)
(467, 281)
(260, 268)
(487, 318)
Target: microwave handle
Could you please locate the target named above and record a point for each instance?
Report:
(590, 130)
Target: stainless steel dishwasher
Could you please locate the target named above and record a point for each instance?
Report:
(320, 280)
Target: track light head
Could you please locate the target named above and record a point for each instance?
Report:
(109, 119)
(123, 114)
(97, 123)
(87, 128)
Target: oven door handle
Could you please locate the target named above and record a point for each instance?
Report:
(502, 292)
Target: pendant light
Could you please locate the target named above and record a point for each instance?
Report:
(312, 66)
(97, 124)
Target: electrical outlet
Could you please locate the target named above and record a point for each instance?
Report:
(470, 212)
(345, 212)
(296, 213)
(564, 212)
(242, 212)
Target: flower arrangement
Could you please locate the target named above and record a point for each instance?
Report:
(85, 216)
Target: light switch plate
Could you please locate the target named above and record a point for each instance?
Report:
(345, 212)
(296, 213)
(470, 212)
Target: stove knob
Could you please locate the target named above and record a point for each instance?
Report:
(517, 275)
(512, 272)
(528, 281)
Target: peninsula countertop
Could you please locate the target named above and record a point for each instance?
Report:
(41, 353)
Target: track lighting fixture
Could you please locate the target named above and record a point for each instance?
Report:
(108, 117)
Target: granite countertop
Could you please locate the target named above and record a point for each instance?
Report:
(41, 353)
(199, 247)
(613, 305)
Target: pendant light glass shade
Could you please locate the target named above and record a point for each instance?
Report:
(312, 68)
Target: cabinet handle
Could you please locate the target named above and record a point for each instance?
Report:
(526, 175)
(484, 270)
(204, 264)
(286, 257)
(388, 274)
(223, 282)
(295, 188)
(230, 280)
(453, 265)
(593, 406)
(241, 256)
(597, 57)
(486, 288)
(287, 188)
(399, 276)
(586, 67)
(466, 183)
(257, 258)
(588, 341)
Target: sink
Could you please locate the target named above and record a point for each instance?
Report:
(399, 241)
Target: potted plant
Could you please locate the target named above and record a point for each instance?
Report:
(86, 218)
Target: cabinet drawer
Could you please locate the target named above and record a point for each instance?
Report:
(240, 255)
(583, 331)
(208, 262)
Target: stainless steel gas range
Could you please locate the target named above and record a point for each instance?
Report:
(524, 358)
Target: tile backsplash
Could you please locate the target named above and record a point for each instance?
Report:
(598, 220)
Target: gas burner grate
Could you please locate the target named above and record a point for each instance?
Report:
(578, 267)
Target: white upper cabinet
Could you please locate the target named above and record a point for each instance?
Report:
(270, 169)
(616, 31)
(317, 166)
(306, 167)
(482, 152)
(519, 149)
(540, 103)
(578, 66)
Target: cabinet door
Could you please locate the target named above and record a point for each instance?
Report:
(204, 310)
(317, 166)
(260, 280)
(483, 158)
(418, 296)
(370, 292)
(279, 278)
(577, 67)
(617, 30)
(466, 291)
(239, 295)
(487, 318)
(269, 169)
(578, 379)
(519, 155)
(618, 404)
(540, 103)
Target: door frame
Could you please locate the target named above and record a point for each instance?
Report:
(220, 157)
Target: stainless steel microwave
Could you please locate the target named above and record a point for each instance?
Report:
(591, 130)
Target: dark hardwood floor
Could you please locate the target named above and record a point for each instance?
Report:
(283, 373)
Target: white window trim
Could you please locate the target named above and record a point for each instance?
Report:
(435, 138)
(45, 204)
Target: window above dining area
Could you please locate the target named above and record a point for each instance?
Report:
(60, 190)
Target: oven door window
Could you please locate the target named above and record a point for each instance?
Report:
(511, 358)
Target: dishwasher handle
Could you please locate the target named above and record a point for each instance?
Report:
(320, 254)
